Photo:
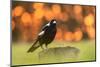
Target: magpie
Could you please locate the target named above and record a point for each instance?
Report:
(46, 36)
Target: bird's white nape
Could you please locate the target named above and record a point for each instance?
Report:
(54, 22)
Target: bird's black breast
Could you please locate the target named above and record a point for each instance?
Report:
(49, 35)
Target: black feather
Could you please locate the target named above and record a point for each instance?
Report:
(33, 47)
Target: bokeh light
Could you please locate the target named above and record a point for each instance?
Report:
(68, 36)
(49, 14)
(78, 35)
(89, 20)
(26, 18)
(37, 5)
(63, 17)
(18, 10)
(30, 19)
(77, 9)
(39, 13)
(59, 34)
(91, 32)
(56, 9)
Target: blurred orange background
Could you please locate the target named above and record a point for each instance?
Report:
(74, 22)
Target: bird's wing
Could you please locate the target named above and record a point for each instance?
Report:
(46, 26)
(41, 33)
(31, 49)
(34, 46)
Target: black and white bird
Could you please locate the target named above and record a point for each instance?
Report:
(46, 36)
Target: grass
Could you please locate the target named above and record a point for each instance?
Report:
(21, 57)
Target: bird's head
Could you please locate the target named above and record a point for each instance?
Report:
(53, 22)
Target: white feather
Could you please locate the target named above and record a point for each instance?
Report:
(54, 22)
(41, 33)
(48, 24)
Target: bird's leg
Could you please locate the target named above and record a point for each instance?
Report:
(46, 46)
(42, 47)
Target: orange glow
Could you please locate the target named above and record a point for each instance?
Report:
(63, 16)
(37, 22)
(38, 5)
(78, 35)
(79, 18)
(13, 25)
(89, 20)
(26, 18)
(30, 18)
(49, 15)
(78, 13)
(56, 9)
(18, 10)
(39, 14)
(77, 9)
(91, 32)
(68, 36)
(59, 34)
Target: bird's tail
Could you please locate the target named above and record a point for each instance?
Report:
(33, 47)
